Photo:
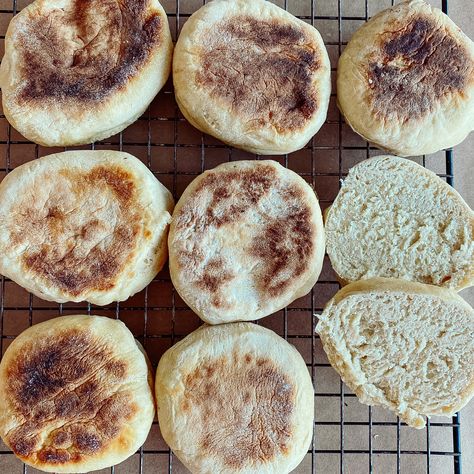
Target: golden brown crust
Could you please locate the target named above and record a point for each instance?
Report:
(83, 226)
(86, 51)
(235, 398)
(278, 60)
(416, 64)
(72, 378)
(380, 284)
(294, 231)
(62, 247)
(283, 247)
(263, 409)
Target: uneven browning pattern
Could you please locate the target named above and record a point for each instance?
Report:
(281, 240)
(264, 70)
(87, 50)
(285, 245)
(78, 232)
(416, 66)
(68, 385)
(245, 406)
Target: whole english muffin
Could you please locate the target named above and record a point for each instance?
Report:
(405, 346)
(393, 218)
(78, 71)
(405, 81)
(252, 75)
(235, 398)
(83, 226)
(75, 394)
(246, 239)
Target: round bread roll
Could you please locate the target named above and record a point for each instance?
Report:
(235, 398)
(246, 240)
(252, 75)
(75, 394)
(393, 218)
(405, 81)
(83, 226)
(404, 346)
(75, 72)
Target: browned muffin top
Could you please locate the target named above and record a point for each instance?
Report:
(77, 229)
(244, 407)
(69, 386)
(416, 64)
(268, 215)
(265, 70)
(85, 51)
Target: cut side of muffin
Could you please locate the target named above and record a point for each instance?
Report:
(393, 218)
(405, 346)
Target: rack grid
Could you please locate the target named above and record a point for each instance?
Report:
(349, 437)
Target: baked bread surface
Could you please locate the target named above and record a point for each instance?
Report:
(405, 346)
(252, 75)
(75, 394)
(393, 218)
(405, 81)
(76, 72)
(235, 398)
(83, 226)
(246, 239)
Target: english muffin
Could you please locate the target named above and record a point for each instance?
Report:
(83, 226)
(75, 72)
(393, 218)
(246, 239)
(235, 398)
(252, 75)
(405, 81)
(405, 346)
(75, 394)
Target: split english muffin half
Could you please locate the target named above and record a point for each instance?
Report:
(393, 218)
(405, 81)
(75, 394)
(404, 346)
(235, 398)
(246, 239)
(83, 226)
(75, 72)
(252, 75)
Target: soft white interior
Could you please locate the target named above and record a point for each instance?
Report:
(411, 353)
(392, 219)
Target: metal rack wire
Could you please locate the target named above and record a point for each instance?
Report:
(349, 437)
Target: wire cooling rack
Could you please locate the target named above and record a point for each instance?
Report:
(349, 437)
